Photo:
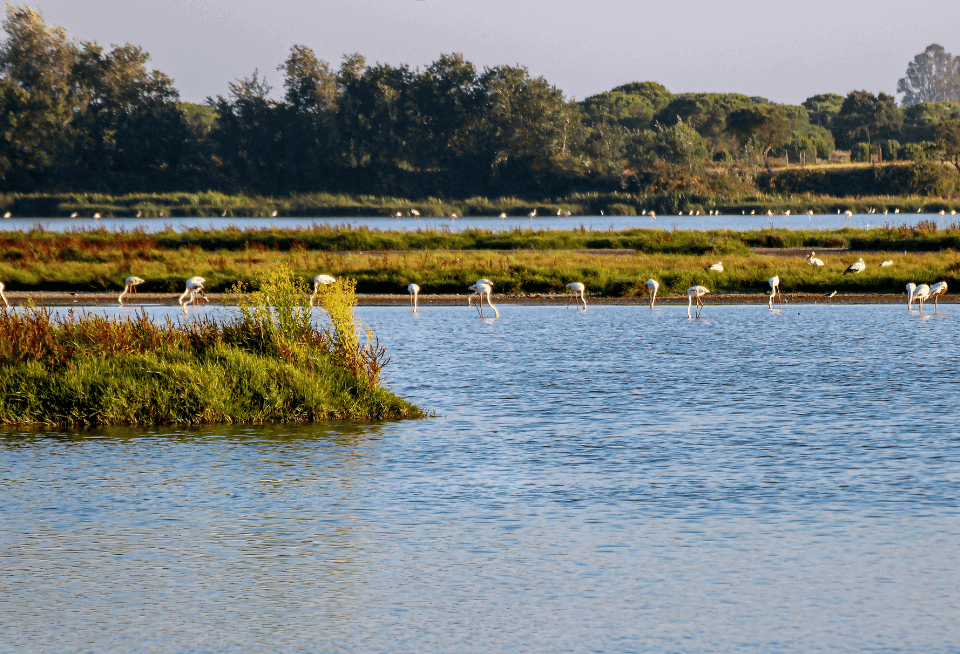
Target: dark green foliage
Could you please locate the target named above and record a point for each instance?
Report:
(928, 180)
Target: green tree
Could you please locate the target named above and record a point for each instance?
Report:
(932, 76)
(823, 109)
(705, 112)
(948, 140)
(767, 126)
(680, 145)
(864, 116)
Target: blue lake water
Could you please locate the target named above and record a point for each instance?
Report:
(615, 480)
(590, 223)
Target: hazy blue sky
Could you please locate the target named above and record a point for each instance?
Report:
(783, 51)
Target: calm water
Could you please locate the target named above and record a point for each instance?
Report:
(618, 480)
(591, 223)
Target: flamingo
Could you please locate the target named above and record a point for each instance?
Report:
(813, 260)
(936, 291)
(413, 290)
(414, 213)
(130, 286)
(775, 290)
(921, 295)
(479, 282)
(481, 290)
(532, 214)
(696, 292)
(911, 290)
(2, 295)
(194, 289)
(318, 281)
(857, 267)
(574, 288)
(652, 287)
(718, 266)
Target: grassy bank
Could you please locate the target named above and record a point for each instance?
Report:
(442, 262)
(266, 365)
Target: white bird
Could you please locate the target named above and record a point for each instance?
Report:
(911, 290)
(8, 215)
(718, 266)
(413, 290)
(832, 294)
(3, 296)
(503, 215)
(97, 216)
(769, 213)
(130, 286)
(274, 214)
(398, 215)
(140, 214)
(318, 281)
(696, 292)
(559, 212)
(478, 283)
(953, 212)
(74, 214)
(223, 215)
(897, 210)
(921, 295)
(194, 290)
(481, 290)
(786, 213)
(943, 212)
(652, 286)
(857, 267)
(888, 262)
(653, 215)
(533, 214)
(848, 214)
(936, 292)
(567, 214)
(454, 216)
(775, 290)
(813, 260)
(574, 288)
(414, 213)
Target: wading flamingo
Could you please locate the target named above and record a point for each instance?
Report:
(775, 290)
(936, 292)
(130, 286)
(194, 290)
(911, 291)
(921, 295)
(856, 267)
(477, 293)
(696, 292)
(652, 285)
(413, 290)
(481, 290)
(318, 281)
(574, 288)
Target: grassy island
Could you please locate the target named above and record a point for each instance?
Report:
(268, 364)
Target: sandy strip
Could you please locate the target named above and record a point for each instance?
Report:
(535, 299)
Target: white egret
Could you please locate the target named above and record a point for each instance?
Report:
(857, 267)
(130, 286)
(696, 292)
(775, 290)
(574, 288)
(481, 290)
(718, 266)
(413, 290)
(652, 286)
(318, 281)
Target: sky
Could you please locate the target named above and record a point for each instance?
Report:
(785, 52)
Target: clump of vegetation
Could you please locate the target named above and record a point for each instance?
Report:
(270, 363)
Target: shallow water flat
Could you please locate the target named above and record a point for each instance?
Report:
(614, 480)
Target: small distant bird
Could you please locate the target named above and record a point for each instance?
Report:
(943, 212)
(532, 214)
(652, 286)
(274, 214)
(769, 213)
(888, 262)
(567, 214)
(813, 260)
(414, 213)
(8, 215)
(224, 214)
(775, 291)
(696, 292)
(718, 266)
(318, 281)
(558, 212)
(953, 212)
(3, 296)
(398, 215)
(97, 216)
(140, 214)
(897, 210)
(653, 215)
(936, 292)
(130, 286)
(74, 214)
(413, 290)
(786, 213)
(454, 216)
(856, 267)
(503, 214)
(832, 294)
(753, 212)
(481, 290)
(574, 288)
(848, 214)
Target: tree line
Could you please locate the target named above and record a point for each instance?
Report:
(75, 116)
